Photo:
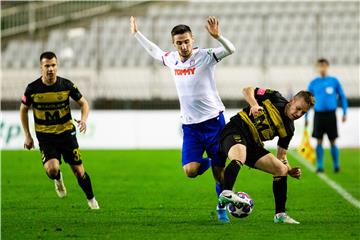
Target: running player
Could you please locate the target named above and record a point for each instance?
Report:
(55, 131)
(327, 90)
(200, 105)
(269, 115)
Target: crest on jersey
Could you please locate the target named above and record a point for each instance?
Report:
(192, 62)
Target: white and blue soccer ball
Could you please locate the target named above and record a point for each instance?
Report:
(243, 210)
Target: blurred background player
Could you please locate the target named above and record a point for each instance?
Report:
(327, 91)
(55, 131)
(200, 104)
(268, 115)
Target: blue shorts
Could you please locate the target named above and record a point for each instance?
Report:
(201, 137)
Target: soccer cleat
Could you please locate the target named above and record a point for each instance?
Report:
(93, 204)
(284, 218)
(228, 196)
(222, 214)
(60, 187)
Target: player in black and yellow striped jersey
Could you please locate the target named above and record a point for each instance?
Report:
(49, 96)
(268, 115)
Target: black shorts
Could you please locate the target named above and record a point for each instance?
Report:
(240, 134)
(67, 147)
(325, 122)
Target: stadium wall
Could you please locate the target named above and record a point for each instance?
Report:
(152, 129)
(145, 83)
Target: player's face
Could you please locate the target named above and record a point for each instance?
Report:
(48, 68)
(184, 44)
(322, 68)
(296, 108)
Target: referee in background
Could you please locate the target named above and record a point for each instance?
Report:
(327, 91)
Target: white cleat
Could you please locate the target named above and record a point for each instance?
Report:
(229, 197)
(93, 204)
(60, 187)
(284, 218)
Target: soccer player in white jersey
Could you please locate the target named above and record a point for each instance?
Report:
(200, 104)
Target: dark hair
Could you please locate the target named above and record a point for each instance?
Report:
(323, 61)
(47, 55)
(180, 29)
(307, 96)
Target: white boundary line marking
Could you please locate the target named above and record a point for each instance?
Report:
(340, 190)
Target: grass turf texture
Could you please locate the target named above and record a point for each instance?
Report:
(143, 194)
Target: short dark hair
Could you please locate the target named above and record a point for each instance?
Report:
(323, 61)
(47, 55)
(307, 96)
(180, 29)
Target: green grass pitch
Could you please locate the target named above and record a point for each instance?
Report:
(143, 194)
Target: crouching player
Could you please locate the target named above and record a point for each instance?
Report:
(269, 115)
(49, 97)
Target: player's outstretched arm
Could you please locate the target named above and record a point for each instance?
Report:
(84, 106)
(227, 48)
(249, 94)
(149, 46)
(29, 142)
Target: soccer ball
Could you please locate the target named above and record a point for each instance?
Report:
(241, 211)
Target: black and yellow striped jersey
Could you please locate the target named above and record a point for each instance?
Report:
(51, 107)
(270, 122)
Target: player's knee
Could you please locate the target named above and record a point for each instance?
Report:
(190, 172)
(79, 172)
(281, 170)
(52, 172)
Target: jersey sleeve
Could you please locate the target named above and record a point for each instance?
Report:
(211, 57)
(262, 94)
(74, 92)
(342, 97)
(165, 58)
(226, 48)
(150, 47)
(26, 98)
(284, 142)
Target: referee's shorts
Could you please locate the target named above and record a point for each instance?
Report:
(325, 122)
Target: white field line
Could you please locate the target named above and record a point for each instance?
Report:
(340, 190)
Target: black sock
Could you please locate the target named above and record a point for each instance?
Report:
(85, 184)
(57, 177)
(280, 192)
(230, 174)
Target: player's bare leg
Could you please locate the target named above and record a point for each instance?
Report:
(237, 155)
(270, 164)
(85, 184)
(194, 169)
(191, 169)
(52, 168)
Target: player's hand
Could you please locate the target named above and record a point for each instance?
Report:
(295, 172)
(213, 27)
(29, 143)
(81, 125)
(255, 110)
(133, 25)
(306, 122)
(344, 118)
